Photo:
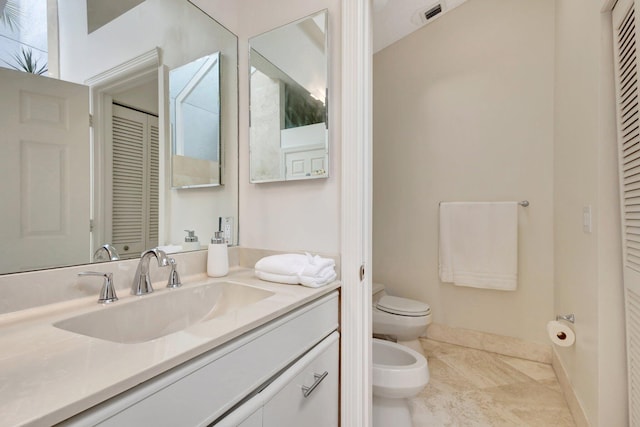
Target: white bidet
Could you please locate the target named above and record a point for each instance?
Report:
(398, 374)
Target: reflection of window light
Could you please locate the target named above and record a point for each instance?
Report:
(23, 35)
(319, 95)
(191, 87)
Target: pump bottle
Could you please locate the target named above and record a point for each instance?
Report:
(217, 257)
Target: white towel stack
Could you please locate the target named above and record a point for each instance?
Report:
(292, 269)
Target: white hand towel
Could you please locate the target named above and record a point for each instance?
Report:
(317, 266)
(278, 278)
(479, 244)
(307, 270)
(285, 264)
(317, 281)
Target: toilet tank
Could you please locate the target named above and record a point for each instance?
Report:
(377, 291)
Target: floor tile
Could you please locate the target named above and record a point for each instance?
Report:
(484, 369)
(535, 370)
(469, 387)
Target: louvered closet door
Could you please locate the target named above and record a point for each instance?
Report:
(135, 182)
(625, 28)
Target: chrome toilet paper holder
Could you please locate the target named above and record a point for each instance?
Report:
(568, 317)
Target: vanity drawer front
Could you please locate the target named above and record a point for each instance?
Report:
(199, 391)
(283, 404)
(290, 408)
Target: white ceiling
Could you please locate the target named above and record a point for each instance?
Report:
(395, 19)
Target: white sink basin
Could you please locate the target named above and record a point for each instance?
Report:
(152, 316)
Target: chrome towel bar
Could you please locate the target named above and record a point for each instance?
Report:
(524, 203)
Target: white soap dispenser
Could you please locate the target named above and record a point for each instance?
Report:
(190, 241)
(218, 257)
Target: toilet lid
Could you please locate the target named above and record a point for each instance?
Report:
(403, 306)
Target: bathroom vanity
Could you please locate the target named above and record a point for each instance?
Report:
(266, 355)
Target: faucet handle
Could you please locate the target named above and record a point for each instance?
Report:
(174, 277)
(108, 291)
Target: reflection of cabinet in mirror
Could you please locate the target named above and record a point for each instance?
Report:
(288, 84)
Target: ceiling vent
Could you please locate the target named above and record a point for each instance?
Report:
(429, 13)
(432, 13)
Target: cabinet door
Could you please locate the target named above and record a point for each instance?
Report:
(319, 408)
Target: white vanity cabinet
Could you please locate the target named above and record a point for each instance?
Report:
(253, 380)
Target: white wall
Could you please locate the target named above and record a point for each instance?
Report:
(463, 111)
(301, 215)
(588, 265)
(143, 97)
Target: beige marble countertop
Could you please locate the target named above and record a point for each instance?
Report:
(48, 374)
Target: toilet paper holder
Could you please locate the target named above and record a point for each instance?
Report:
(568, 317)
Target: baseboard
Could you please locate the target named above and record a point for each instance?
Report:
(499, 344)
(572, 400)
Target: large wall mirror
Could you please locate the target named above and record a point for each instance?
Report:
(69, 189)
(288, 83)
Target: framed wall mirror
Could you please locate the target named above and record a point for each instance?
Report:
(288, 136)
(112, 187)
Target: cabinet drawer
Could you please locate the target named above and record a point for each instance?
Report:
(283, 402)
(318, 407)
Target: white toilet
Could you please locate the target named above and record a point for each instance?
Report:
(401, 318)
(398, 374)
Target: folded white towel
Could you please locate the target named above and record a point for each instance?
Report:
(479, 244)
(285, 264)
(307, 270)
(318, 281)
(278, 278)
(316, 266)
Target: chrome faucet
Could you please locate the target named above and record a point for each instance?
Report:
(108, 250)
(108, 291)
(141, 281)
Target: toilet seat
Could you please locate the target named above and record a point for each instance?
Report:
(402, 306)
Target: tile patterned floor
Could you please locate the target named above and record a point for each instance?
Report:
(473, 388)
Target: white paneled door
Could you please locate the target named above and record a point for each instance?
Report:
(45, 164)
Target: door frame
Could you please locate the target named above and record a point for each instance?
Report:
(356, 234)
(127, 75)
